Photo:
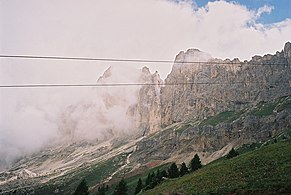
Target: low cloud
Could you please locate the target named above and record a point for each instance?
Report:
(103, 113)
(43, 117)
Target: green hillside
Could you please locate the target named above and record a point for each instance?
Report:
(263, 171)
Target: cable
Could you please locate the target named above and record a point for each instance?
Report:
(83, 58)
(129, 84)
(136, 60)
(125, 60)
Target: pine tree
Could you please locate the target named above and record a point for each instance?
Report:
(101, 190)
(164, 173)
(139, 186)
(173, 171)
(183, 170)
(232, 153)
(149, 179)
(195, 163)
(153, 176)
(158, 176)
(121, 188)
(154, 180)
(82, 188)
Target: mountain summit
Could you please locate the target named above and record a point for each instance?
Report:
(200, 86)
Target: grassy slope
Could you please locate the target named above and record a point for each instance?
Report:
(221, 117)
(261, 109)
(132, 181)
(266, 170)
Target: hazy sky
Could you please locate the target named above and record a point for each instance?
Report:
(147, 29)
(135, 29)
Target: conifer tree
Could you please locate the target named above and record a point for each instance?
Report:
(164, 173)
(232, 153)
(121, 188)
(101, 190)
(183, 170)
(153, 176)
(148, 179)
(195, 163)
(173, 171)
(139, 186)
(82, 188)
(154, 180)
(158, 176)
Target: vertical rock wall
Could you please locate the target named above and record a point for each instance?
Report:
(196, 90)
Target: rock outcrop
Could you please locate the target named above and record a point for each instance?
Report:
(200, 86)
(147, 112)
(214, 137)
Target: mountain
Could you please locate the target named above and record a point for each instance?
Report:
(205, 108)
(196, 90)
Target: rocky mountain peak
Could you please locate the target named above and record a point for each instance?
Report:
(287, 47)
(145, 70)
(188, 62)
(192, 55)
(106, 74)
(145, 75)
(287, 51)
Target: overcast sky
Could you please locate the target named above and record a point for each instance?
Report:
(146, 29)
(135, 29)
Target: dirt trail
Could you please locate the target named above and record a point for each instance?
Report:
(126, 163)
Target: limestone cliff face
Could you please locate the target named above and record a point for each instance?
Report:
(147, 112)
(196, 90)
(192, 91)
(181, 141)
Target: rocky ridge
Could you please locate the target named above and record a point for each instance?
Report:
(200, 86)
(213, 137)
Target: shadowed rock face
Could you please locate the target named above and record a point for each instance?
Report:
(182, 141)
(212, 87)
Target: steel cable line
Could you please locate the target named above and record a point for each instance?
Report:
(131, 84)
(129, 60)
(137, 60)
